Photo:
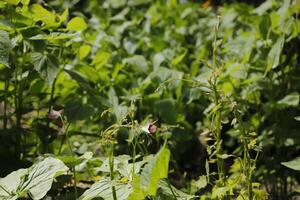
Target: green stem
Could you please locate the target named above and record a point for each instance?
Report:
(247, 167)
(5, 105)
(111, 169)
(218, 116)
(75, 182)
(18, 114)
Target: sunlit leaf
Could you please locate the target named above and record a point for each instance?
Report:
(76, 24)
(42, 14)
(291, 99)
(274, 54)
(103, 189)
(84, 50)
(293, 164)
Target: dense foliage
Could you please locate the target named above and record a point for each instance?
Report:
(149, 99)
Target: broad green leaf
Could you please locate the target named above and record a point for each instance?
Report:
(90, 73)
(77, 109)
(155, 170)
(293, 164)
(46, 64)
(84, 50)
(5, 48)
(103, 189)
(117, 3)
(40, 176)
(10, 183)
(167, 109)
(25, 2)
(201, 182)
(42, 14)
(14, 2)
(137, 193)
(72, 161)
(219, 192)
(76, 24)
(170, 191)
(157, 60)
(138, 62)
(274, 54)
(100, 59)
(291, 99)
(264, 7)
(284, 12)
(35, 181)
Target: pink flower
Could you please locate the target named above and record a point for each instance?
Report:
(54, 114)
(150, 128)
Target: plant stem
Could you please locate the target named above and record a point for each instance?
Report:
(111, 169)
(5, 105)
(170, 186)
(18, 114)
(218, 116)
(247, 167)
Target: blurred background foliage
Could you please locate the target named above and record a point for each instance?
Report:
(96, 59)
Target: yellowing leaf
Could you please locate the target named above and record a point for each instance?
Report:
(76, 24)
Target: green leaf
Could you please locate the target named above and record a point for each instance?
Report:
(179, 58)
(138, 62)
(40, 177)
(13, 2)
(291, 100)
(274, 54)
(101, 59)
(293, 164)
(5, 47)
(157, 60)
(137, 193)
(103, 189)
(35, 181)
(76, 24)
(170, 191)
(46, 64)
(77, 109)
(155, 169)
(9, 184)
(53, 37)
(201, 182)
(264, 26)
(84, 50)
(42, 14)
